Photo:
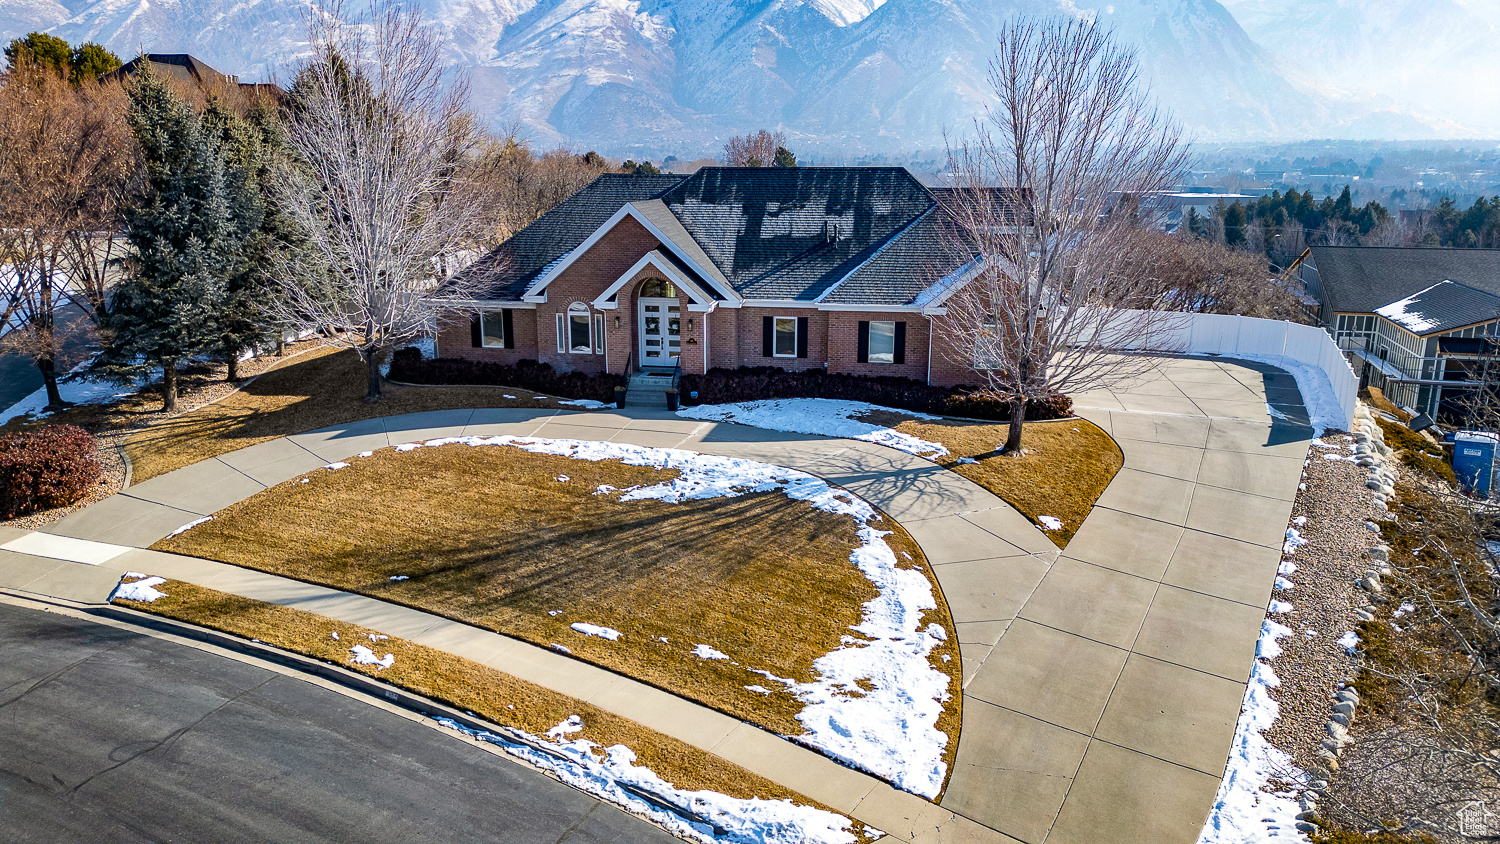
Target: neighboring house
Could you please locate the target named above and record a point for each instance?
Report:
(840, 268)
(198, 81)
(1416, 322)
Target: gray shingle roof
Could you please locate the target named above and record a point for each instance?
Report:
(518, 262)
(1444, 306)
(772, 231)
(871, 235)
(1359, 279)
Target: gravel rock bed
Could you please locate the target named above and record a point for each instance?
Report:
(1312, 666)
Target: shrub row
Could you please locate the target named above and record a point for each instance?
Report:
(749, 383)
(48, 467)
(408, 365)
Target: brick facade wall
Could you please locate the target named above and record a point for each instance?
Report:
(733, 335)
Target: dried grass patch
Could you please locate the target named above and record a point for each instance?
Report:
(490, 536)
(1064, 466)
(315, 390)
(462, 684)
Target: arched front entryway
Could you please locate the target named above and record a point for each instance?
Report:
(658, 323)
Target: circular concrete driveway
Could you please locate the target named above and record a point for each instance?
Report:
(1101, 685)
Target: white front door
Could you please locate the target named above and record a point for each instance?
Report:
(660, 331)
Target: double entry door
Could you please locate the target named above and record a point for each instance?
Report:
(660, 331)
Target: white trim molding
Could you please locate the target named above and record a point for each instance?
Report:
(537, 291)
(701, 301)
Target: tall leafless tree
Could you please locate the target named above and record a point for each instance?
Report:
(1050, 199)
(66, 159)
(756, 149)
(377, 190)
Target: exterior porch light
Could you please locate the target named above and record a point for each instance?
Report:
(690, 323)
(617, 320)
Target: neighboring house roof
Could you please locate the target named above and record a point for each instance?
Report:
(1360, 279)
(192, 72)
(819, 235)
(1444, 306)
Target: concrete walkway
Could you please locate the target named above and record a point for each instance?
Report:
(1101, 688)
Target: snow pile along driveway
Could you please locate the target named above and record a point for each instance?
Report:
(876, 700)
(703, 816)
(824, 417)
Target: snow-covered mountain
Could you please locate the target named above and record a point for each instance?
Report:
(839, 76)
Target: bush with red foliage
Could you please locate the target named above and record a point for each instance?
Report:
(45, 468)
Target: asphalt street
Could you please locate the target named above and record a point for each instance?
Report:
(108, 735)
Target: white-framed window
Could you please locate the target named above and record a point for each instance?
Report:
(574, 334)
(784, 339)
(562, 334)
(883, 341)
(598, 334)
(492, 329)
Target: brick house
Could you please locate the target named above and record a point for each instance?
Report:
(841, 268)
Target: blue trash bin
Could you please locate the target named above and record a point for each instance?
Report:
(1474, 460)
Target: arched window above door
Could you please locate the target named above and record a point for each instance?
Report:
(656, 288)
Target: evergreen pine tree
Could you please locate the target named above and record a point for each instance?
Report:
(242, 323)
(784, 158)
(183, 237)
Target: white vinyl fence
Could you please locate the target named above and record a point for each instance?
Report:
(1329, 386)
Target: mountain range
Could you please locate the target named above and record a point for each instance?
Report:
(857, 77)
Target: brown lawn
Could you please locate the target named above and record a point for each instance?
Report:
(1063, 468)
(491, 536)
(462, 684)
(314, 390)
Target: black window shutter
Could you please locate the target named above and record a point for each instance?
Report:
(862, 355)
(475, 336)
(767, 335)
(900, 356)
(801, 336)
(508, 326)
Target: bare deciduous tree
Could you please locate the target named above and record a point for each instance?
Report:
(515, 186)
(376, 193)
(66, 158)
(757, 149)
(1196, 275)
(1050, 204)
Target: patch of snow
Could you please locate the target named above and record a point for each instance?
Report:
(365, 656)
(595, 630)
(876, 700)
(571, 725)
(189, 526)
(825, 417)
(559, 648)
(367, 454)
(1317, 441)
(1339, 457)
(401, 577)
(1286, 567)
(966, 460)
(564, 478)
(78, 390)
(508, 395)
(144, 591)
(1403, 314)
(1310, 633)
(1279, 608)
(335, 635)
(375, 637)
(554, 613)
(613, 776)
(338, 465)
(1404, 609)
(1284, 584)
(588, 403)
(758, 689)
(705, 652)
(304, 480)
(1299, 521)
(1246, 810)
(1349, 641)
(1293, 541)
(1050, 522)
(1323, 408)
